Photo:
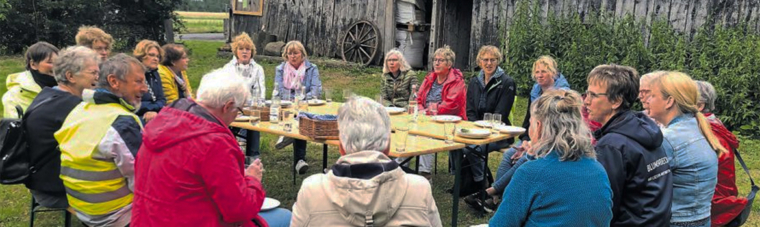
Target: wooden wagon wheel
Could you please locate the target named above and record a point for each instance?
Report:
(360, 42)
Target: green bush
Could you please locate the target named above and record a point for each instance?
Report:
(727, 57)
(57, 22)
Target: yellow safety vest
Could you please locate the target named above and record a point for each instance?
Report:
(21, 92)
(94, 185)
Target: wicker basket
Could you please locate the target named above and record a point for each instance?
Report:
(327, 130)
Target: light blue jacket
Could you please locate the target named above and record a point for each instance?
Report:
(694, 165)
(310, 81)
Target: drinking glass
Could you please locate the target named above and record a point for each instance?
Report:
(347, 94)
(328, 95)
(287, 120)
(488, 118)
(401, 134)
(449, 130)
(496, 123)
(255, 116)
(433, 108)
(379, 99)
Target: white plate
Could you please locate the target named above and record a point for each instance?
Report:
(446, 118)
(512, 130)
(244, 118)
(483, 124)
(270, 203)
(282, 103)
(474, 133)
(395, 110)
(316, 102)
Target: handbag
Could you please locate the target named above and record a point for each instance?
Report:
(742, 217)
(14, 158)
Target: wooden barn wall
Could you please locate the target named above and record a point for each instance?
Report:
(318, 24)
(491, 18)
(455, 29)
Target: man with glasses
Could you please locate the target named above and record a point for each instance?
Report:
(629, 146)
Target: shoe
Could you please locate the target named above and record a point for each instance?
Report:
(475, 203)
(302, 167)
(490, 205)
(283, 142)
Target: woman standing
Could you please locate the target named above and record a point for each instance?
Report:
(150, 53)
(690, 144)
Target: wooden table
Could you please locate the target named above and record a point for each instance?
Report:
(415, 145)
(425, 137)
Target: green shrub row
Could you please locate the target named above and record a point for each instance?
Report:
(57, 22)
(729, 58)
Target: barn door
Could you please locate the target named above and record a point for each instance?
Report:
(451, 25)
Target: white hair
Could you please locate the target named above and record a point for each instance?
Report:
(404, 65)
(707, 96)
(364, 125)
(218, 87)
(646, 78)
(73, 59)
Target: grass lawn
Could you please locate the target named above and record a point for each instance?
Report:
(277, 179)
(202, 22)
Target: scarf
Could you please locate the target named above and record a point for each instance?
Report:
(180, 84)
(42, 79)
(293, 77)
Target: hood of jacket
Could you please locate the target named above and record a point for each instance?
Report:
(183, 120)
(104, 96)
(634, 125)
(376, 192)
(559, 83)
(25, 80)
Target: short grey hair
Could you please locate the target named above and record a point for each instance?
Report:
(707, 95)
(562, 127)
(73, 59)
(646, 78)
(446, 53)
(218, 87)
(402, 61)
(363, 125)
(119, 65)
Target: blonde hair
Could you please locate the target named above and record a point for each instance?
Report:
(89, 34)
(686, 95)
(404, 65)
(295, 44)
(562, 126)
(488, 49)
(144, 46)
(243, 41)
(548, 62)
(647, 78)
(446, 53)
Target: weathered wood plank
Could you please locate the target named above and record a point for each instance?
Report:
(689, 20)
(389, 28)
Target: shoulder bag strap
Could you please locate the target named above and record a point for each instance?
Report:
(744, 166)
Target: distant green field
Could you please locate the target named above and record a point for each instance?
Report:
(202, 22)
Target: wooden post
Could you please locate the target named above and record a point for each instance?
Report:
(390, 28)
(169, 28)
(434, 33)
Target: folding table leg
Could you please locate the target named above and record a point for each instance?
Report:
(324, 157)
(417, 164)
(485, 180)
(457, 156)
(293, 168)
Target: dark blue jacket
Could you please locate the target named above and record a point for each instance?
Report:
(629, 146)
(148, 103)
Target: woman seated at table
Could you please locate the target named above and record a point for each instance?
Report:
(150, 53)
(173, 73)
(443, 90)
(398, 79)
(253, 74)
(492, 91)
(554, 189)
(291, 76)
(547, 78)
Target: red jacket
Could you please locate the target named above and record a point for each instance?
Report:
(453, 94)
(726, 204)
(189, 172)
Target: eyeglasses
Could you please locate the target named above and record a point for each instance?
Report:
(152, 56)
(440, 60)
(101, 49)
(392, 60)
(240, 109)
(594, 95)
(488, 60)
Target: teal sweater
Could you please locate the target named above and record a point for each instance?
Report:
(550, 192)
